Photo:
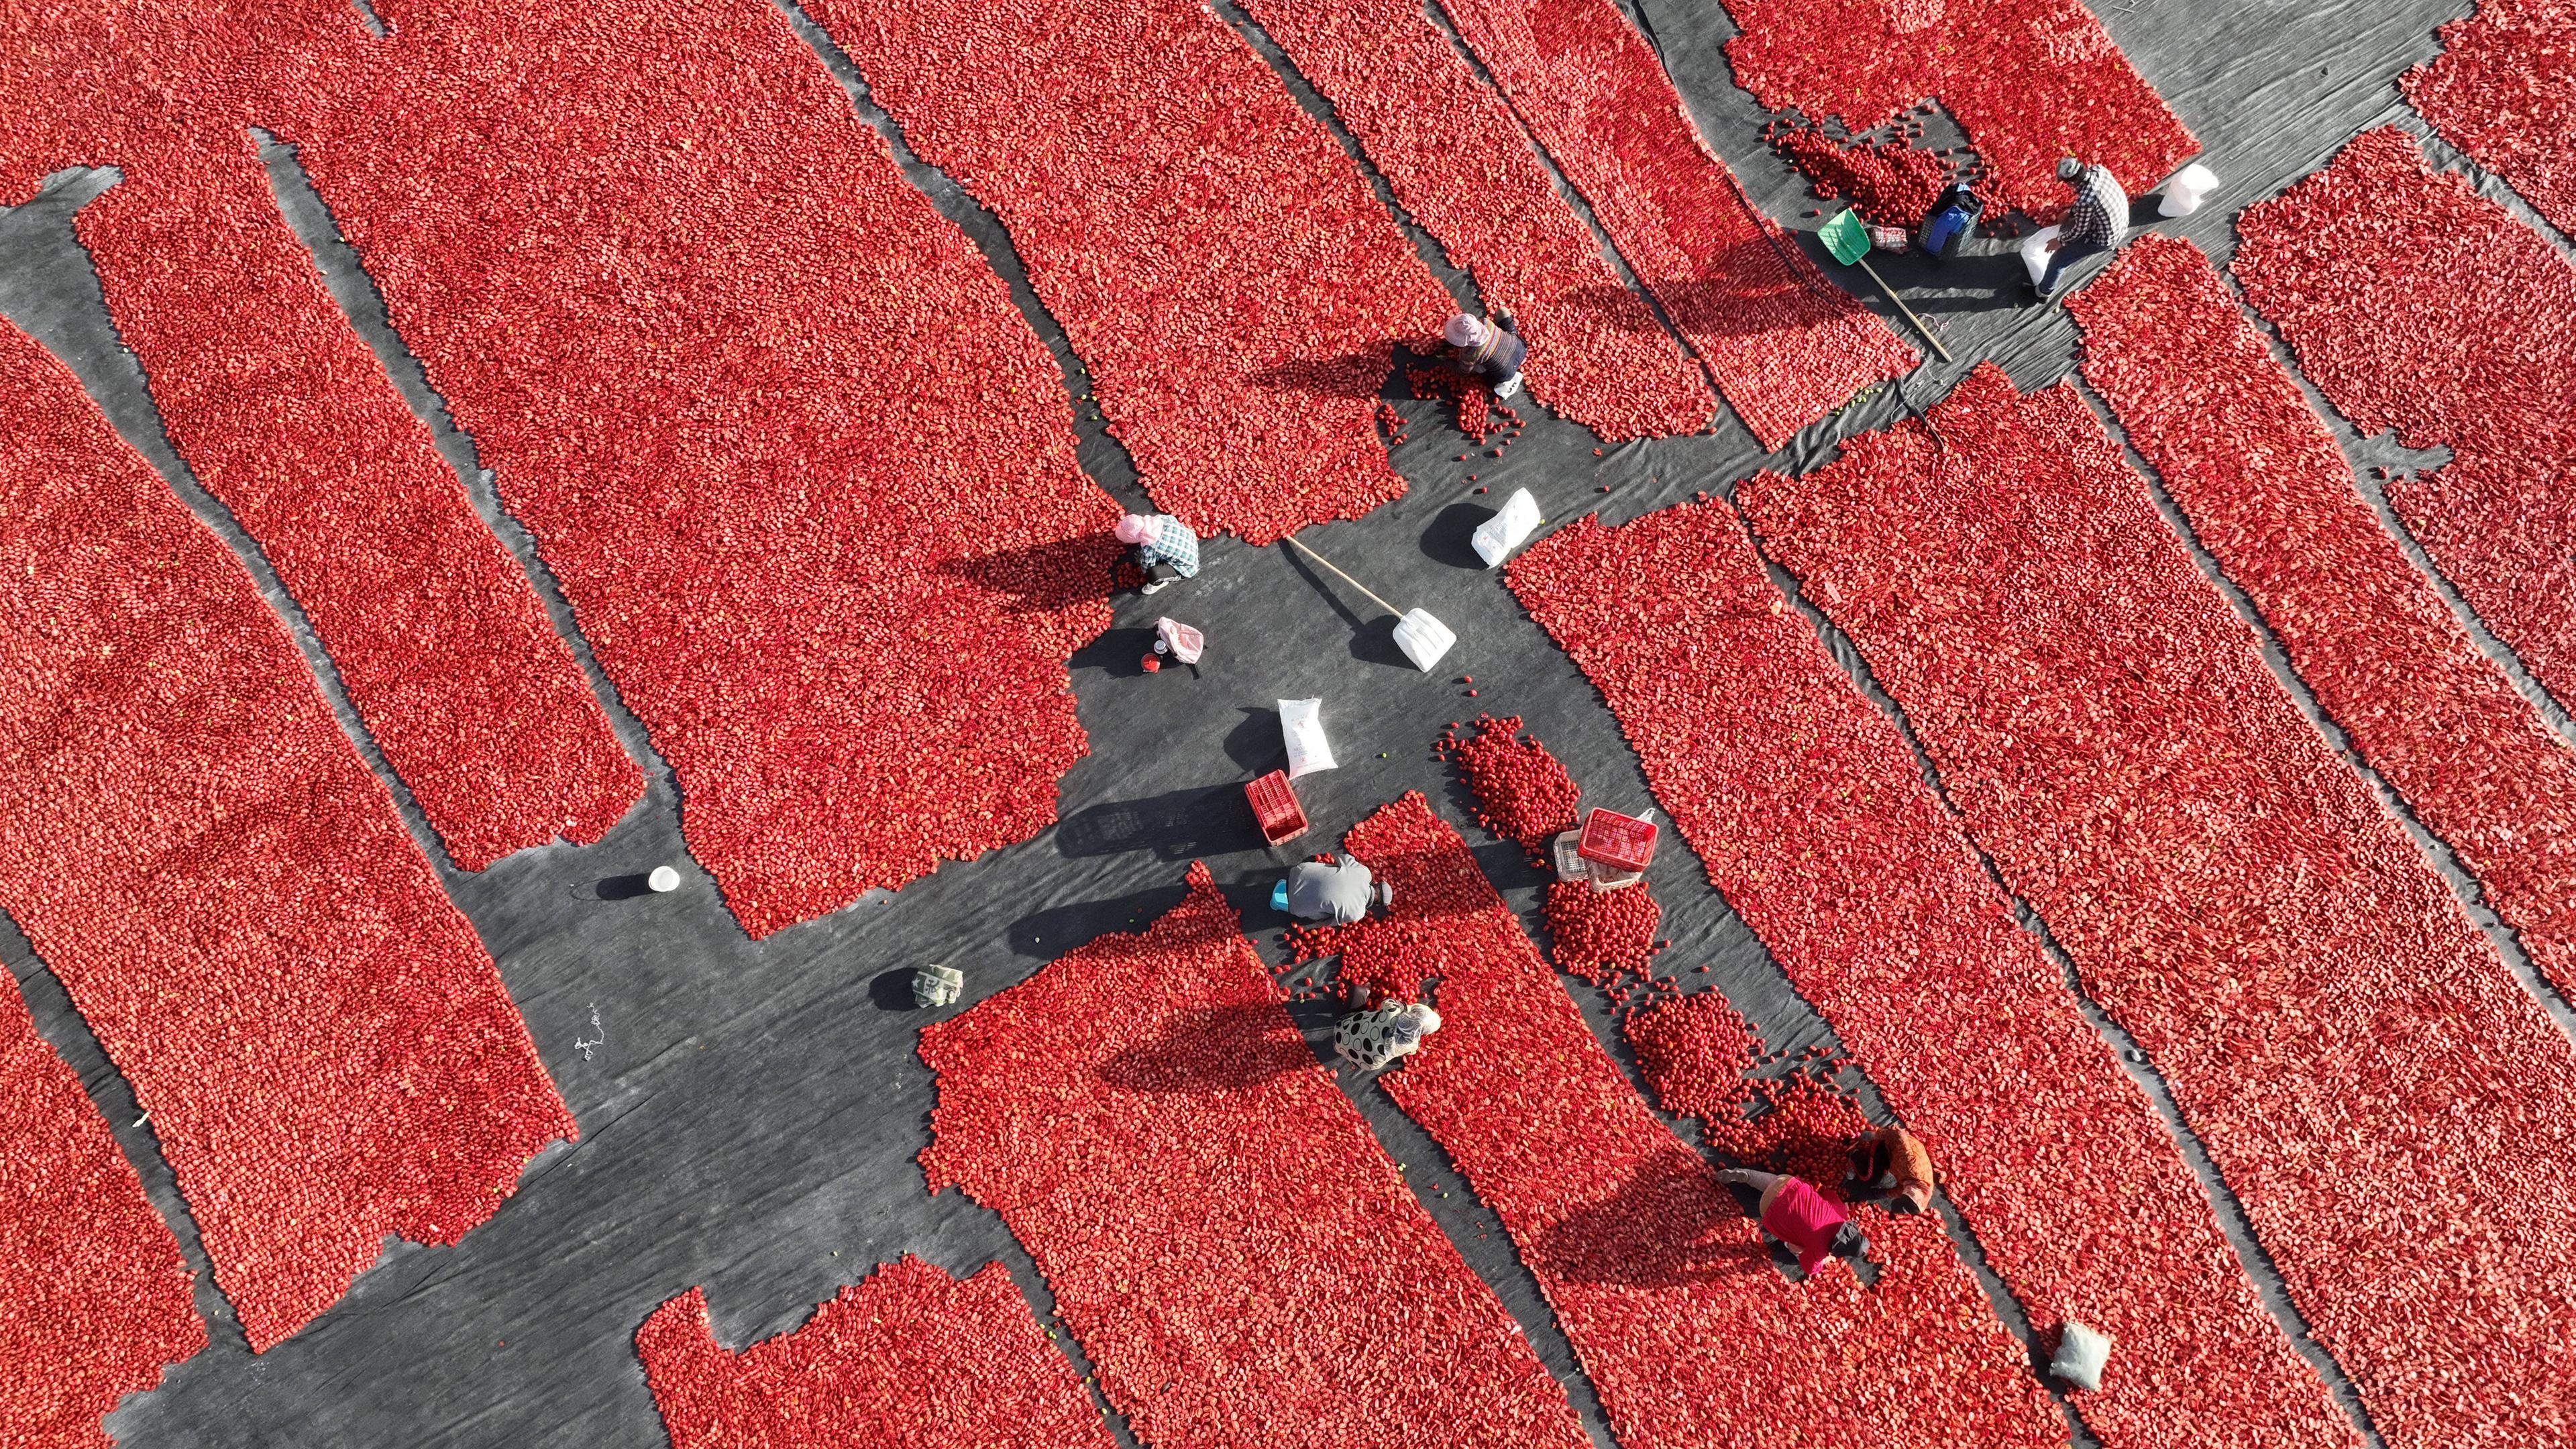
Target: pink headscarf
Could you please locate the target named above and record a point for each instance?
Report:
(1464, 331)
(1132, 527)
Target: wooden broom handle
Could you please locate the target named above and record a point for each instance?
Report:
(1345, 578)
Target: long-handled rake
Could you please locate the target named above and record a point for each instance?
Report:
(1422, 638)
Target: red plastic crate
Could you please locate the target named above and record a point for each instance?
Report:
(1621, 841)
(1275, 805)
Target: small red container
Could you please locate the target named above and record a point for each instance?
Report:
(1275, 805)
(1622, 842)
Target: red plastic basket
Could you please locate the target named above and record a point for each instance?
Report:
(1275, 806)
(1623, 842)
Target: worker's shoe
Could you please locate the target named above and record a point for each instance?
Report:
(1157, 586)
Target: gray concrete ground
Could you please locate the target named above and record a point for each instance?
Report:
(750, 1112)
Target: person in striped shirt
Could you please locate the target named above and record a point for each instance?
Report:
(2096, 223)
(1164, 547)
(1490, 352)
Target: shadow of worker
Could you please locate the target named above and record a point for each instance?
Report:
(1177, 825)
(1669, 1225)
(1212, 1049)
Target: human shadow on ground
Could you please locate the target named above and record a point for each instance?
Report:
(1056, 930)
(1047, 576)
(1669, 1225)
(1176, 825)
(1212, 1049)
(1351, 375)
(1118, 653)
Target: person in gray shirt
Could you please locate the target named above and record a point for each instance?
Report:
(1340, 893)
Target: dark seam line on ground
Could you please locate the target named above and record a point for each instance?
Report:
(1006, 264)
(2436, 851)
(2225, 1208)
(218, 519)
(1039, 1294)
(1411, 1145)
(1565, 191)
(58, 1018)
(59, 1022)
(1406, 1144)
(1099, 451)
(362, 305)
(1573, 197)
(1604, 1014)
(2445, 157)
(2009, 1310)
(1457, 279)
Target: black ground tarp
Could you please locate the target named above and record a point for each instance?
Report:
(750, 1113)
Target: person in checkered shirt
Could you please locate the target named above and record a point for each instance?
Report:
(2097, 222)
(1164, 547)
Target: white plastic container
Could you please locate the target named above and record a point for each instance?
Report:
(663, 878)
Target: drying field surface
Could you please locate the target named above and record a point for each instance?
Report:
(560, 575)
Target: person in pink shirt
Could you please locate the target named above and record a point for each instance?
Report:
(1798, 1215)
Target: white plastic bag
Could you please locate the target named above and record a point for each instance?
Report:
(2081, 1354)
(1497, 536)
(2188, 189)
(1422, 638)
(1184, 642)
(2035, 253)
(1302, 722)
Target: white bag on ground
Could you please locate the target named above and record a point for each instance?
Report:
(1422, 638)
(2034, 252)
(2081, 1353)
(1302, 722)
(1497, 536)
(2190, 186)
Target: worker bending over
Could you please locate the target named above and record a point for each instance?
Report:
(1163, 546)
(1797, 1215)
(1378, 1038)
(1889, 1164)
(1340, 893)
(2097, 222)
(1490, 352)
